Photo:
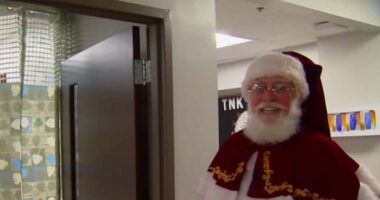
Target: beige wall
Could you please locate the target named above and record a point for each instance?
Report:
(195, 89)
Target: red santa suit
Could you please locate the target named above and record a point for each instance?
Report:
(309, 165)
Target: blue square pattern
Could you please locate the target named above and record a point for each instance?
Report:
(24, 172)
(16, 163)
(50, 159)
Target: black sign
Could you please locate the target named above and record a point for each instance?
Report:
(230, 108)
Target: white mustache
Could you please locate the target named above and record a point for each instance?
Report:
(269, 104)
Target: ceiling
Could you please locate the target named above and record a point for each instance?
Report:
(273, 25)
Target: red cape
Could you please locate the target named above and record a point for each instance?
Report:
(307, 166)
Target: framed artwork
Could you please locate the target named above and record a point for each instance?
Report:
(360, 121)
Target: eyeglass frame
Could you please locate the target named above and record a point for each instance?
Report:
(289, 87)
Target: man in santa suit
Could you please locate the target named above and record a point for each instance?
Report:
(285, 151)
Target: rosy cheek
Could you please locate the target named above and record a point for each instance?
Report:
(254, 101)
(285, 100)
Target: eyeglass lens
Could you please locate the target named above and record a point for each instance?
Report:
(276, 87)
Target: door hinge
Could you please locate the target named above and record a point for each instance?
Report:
(142, 72)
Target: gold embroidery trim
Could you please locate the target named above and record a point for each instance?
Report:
(271, 188)
(223, 175)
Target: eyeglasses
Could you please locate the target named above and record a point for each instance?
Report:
(278, 87)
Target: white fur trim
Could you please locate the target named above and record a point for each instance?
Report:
(365, 176)
(273, 64)
(365, 193)
(209, 190)
(247, 177)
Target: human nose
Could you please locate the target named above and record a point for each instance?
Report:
(268, 94)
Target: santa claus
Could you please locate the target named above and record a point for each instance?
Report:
(285, 151)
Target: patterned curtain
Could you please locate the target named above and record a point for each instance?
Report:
(32, 46)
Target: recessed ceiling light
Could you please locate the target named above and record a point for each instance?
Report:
(223, 40)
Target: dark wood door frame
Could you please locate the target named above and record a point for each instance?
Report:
(161, 88)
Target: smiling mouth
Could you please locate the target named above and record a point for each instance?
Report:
(269, 110)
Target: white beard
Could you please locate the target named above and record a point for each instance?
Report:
(283, 128)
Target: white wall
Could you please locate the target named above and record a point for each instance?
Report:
(365, 11)
(195, 89)
(351, 70)
(231, 74)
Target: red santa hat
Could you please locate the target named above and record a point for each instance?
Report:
(306, 76)
(314, 111)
